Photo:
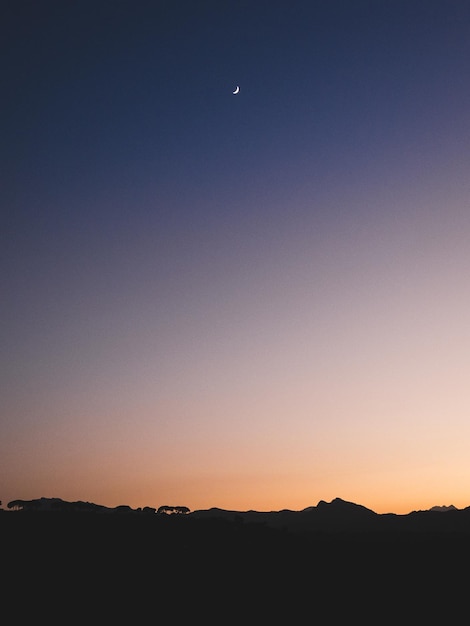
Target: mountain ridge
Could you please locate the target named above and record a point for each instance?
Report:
(338, 515)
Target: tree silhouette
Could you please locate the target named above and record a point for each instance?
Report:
(170, 510)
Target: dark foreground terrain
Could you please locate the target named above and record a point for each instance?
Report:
(99, 568)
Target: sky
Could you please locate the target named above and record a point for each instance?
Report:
(247, 301)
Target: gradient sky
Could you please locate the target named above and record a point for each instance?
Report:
(252, 301)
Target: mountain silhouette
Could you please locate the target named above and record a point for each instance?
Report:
(335, 516)
(218, 563)
(342, 516)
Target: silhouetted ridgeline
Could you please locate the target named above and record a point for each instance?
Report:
(219, 564)
(337, 516)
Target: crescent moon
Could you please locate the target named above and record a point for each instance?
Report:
(236, 90)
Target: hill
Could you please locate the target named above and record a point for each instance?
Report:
(337, 557)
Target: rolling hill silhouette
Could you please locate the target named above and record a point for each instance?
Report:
(342, 516)
(327, 517)
(336, 557)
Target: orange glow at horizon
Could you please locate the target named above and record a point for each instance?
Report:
(256, 302)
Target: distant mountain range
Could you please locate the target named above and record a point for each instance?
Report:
(343, 516)
(335, 516)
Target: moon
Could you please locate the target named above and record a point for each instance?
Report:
(236, 90)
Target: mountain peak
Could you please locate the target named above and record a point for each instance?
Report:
(337, 502)
(340, 506)
(443, 508)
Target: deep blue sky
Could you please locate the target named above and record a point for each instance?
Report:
(261, 277)
(133, 95)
